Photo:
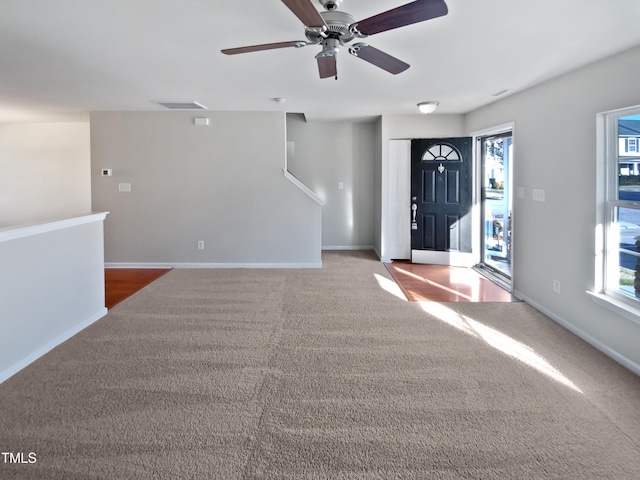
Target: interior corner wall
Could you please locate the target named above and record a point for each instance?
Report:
(377, 227)
(394, 127)
(327, 155)
(45, 172)
(222, 184)
(555, 151)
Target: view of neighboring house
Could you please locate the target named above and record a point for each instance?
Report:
(629, 137)
(629, 145)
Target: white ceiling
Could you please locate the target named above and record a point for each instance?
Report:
(60, 58)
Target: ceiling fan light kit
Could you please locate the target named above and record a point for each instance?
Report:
(333, 29)
(428, 107)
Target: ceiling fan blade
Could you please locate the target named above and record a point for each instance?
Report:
(306, 12)
(264, 46)
(408, 14)
(378, 58)
(327, 66)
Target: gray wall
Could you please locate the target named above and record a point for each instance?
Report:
(221, 183)
(377, 225)
(324, 154)
(45, 171)
(555, 150)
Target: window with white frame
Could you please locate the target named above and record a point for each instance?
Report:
(622, 208)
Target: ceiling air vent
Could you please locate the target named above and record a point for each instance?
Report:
(183, 105)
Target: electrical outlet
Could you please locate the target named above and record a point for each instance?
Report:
(556, 285)
(200, 244)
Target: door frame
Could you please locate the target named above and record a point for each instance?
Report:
(478, 173)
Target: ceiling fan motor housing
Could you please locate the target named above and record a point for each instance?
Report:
(337, 28)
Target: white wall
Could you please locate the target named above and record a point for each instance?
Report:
(394, 127)
(555, 150)
(221, 183)
(45, 171)
(325, 154)
(51, 286)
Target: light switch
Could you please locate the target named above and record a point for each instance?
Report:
(340, 185)
(519, 192)
(538, 195)
(124, 187)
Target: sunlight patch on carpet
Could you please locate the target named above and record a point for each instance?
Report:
(497, 340)
(390, 286)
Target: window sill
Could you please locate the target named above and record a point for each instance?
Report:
(620, 307)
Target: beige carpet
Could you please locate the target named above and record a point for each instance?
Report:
(319, 374)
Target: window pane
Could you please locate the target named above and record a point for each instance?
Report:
(628, 225)
(627, 229)
(629, 158)
(627, 275)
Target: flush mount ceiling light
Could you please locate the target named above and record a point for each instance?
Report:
(428, 107)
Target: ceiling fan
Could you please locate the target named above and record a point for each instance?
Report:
(334, 29)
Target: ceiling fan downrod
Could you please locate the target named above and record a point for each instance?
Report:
(330, 4)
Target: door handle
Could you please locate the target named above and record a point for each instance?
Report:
(414, 211)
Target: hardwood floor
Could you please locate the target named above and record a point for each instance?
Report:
(121, 283)
(441, 283)
(419, 283)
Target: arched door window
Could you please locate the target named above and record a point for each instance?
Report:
(442, 152)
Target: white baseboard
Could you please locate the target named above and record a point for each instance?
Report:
(212, 265)
(33, 356)
(608, 351)
(454, 259)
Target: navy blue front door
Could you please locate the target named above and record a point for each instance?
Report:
(441, 192)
